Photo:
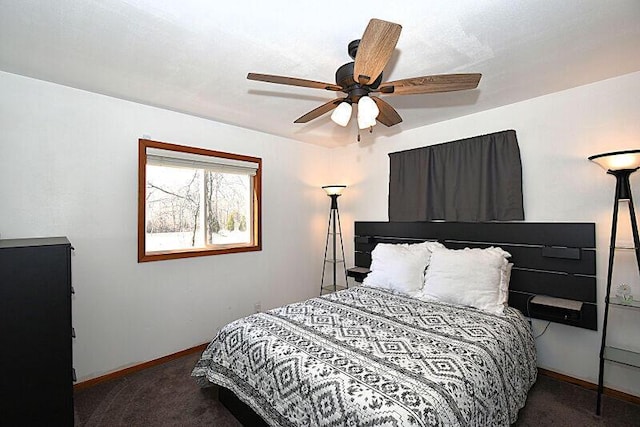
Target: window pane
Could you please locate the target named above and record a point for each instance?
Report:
(173, 203)
(227, 208)
(196, 202)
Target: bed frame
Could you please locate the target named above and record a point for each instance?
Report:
(550, 259)
(556, 260)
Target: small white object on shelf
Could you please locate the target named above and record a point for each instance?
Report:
(623, 292)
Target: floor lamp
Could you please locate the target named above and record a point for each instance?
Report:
(620, 164)
(334, 232)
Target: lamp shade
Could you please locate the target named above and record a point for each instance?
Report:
(367, 112)
(334, 190)
(365, 122)
(618, 160)
(342, 114)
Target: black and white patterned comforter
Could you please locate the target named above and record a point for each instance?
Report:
(366, 356)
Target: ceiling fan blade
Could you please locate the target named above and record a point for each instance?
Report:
(317, 112)
(375, 49)
(431, 84)
(388, 115)
(293, 81)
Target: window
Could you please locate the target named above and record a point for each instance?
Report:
(195, 202)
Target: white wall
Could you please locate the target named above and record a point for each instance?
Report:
(556, 134)
(68, 166)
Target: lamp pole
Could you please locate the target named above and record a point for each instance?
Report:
(334, 210)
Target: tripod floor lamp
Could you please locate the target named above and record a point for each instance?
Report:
(620, 164)
(334, 233)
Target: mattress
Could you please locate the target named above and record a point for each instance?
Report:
(367, 356)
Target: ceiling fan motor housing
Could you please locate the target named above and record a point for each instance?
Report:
(344, 78)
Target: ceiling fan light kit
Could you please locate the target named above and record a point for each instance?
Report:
(363, 77)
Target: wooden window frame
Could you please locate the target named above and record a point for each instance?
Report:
(256, 244)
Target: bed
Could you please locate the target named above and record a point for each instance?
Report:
(376, 355)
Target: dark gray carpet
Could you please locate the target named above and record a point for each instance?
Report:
(166, 395)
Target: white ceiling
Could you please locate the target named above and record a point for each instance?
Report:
(193, 56)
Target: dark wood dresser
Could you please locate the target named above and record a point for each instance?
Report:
(36, 372)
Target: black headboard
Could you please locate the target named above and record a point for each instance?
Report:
(552, 259)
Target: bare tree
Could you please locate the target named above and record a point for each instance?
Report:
(177, 212)
(213, 182)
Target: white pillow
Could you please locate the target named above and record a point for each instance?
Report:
(505, 278)
(400, 267)
(469, 277)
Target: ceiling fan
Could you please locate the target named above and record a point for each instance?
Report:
(363, 77)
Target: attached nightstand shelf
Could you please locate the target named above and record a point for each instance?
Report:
(358, 273)
(556, 309)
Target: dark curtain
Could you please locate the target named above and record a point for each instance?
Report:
(470, 180)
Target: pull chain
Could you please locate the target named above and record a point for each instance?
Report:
(370, 131)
